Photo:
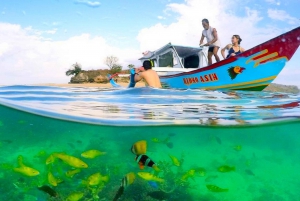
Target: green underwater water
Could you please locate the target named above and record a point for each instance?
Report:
(265, 157)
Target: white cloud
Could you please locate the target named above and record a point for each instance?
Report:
(52, 23)
(52, 31)
(40, 33)
(55, 23)
(274, 2)
(282, 15)
(187, 29)
(161, 17)
(26, 58)
(92, 4)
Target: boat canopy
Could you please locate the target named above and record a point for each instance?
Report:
(182, 51)
(175, 56)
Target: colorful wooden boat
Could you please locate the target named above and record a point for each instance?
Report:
(253, 69)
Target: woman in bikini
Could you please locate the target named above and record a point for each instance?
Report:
(234, 48)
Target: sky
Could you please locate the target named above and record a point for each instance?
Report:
(40, 40)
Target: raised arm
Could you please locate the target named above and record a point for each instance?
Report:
(138, 75)
(223, 50)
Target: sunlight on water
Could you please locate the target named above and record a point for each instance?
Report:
(196, 162)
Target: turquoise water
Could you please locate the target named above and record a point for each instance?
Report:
(255, 133)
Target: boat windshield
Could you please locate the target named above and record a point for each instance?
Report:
(191, 61)
(166, 60)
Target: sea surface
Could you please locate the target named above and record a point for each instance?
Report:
(207, 145)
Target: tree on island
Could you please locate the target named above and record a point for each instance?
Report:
(112, 63)
(130, 66)
(116, 69)
(75, 70)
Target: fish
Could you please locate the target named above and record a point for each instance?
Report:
(165, 141)
(139, 147)
(144, 160)
(75, 196)
(237, 147)
(175, 161)
(215, 189)
(249, 172)
(71, 160)
(126, 181)
(93, 153)
(96, 179)
(150, 177)
(25, 170)
(159, 195)
(51, 179)
(153, 184)
(171, 134)
(170, 145)
(71, 173)
(200, 172)
(156, 140)
(47, 189)
(188, 174)
(79, 141)
(218, 140)
(226, 168)
(50, 159)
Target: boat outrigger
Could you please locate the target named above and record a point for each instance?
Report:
(182, 67)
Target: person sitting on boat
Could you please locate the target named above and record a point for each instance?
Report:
(150, 76)
(213, 42)
(234, 48)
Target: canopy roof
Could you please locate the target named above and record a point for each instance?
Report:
(182, 51)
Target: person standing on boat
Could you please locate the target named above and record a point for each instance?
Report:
(150, 76)
(213, 42)
(234, 48)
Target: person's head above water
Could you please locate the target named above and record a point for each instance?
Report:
(147, 65)
(205, 24)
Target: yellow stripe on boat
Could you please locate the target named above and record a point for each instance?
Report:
(257, 55)
(269, 56)
(244, 83)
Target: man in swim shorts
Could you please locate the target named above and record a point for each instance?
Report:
(213, 42)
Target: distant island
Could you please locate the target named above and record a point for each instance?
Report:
(282, 88)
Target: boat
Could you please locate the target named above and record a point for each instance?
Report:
(181, 67)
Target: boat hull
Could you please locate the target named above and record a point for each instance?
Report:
(252, 70)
